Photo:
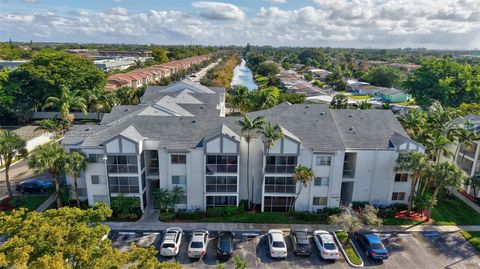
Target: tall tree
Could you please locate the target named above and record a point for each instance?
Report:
(250, 129)
(76, 163)
(11, 147)
(302, 175)
(50, 158)
(446, 81)
(444, 174)
(339, 101)
(415, 163)
(384, 76)
(68, 100)
(160, 55)
(45, 75)
(240, 98)
(68, 238)
(270, 134)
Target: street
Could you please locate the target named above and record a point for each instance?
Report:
(199, 75)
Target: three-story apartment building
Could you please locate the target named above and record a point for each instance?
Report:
(179, 137)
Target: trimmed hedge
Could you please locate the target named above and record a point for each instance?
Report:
(317, 217)
(359, 204)
(167, 216)
(224, 211)
(198, 215)
(387, 213)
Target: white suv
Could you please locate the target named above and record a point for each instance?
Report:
(171, 242)
(276, 243)
(325, 244)
(197, 247)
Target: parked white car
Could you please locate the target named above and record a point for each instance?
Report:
(276, 243)
(197, 247)
(326, 245)
(171, 242)
(376, 98)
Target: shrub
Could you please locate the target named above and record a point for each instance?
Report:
(125, 207)
(167, 216)
(387, 213)
(399, 206)
(225, 211)
(198, 215)
(332, 211)
(242, 206)
(359, 204)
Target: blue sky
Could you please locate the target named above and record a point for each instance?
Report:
(338, 23)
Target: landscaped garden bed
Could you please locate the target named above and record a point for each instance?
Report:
(348, 249)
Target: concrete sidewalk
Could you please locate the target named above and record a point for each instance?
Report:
(47, 203)
(157, 226)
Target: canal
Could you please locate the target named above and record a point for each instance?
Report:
(242, 75)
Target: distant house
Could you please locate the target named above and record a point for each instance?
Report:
(319, 73)
(33, 137)
(390, 95)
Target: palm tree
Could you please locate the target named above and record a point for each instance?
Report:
(67, 101)
(302, 175)
(363, 105)
(474, 181)
(239, 99)
(414, 123)
(270, 133)
(100, 100)
(50, 158)
(176, 193)
(445, 174)
(415, 163)
(52, 126)
(76, 163)
(127, 96)
(339, 101)
(11, 147)
(249, 131)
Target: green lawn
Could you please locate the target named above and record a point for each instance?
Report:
(454, 212)
(32, 202)
(359, 97)
(473, 238)
(265, 217)
(347, 246)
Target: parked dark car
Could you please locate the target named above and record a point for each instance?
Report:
(301, 245)
(372, 245)
(34, 185)
(225, 245)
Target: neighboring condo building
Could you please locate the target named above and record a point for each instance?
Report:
(179, 136)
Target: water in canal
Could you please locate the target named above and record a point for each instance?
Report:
(242, 75)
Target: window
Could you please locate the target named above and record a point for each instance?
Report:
(402, 177)
(179, 159)
(122, 164)
(320, 201)
(95, 158)
(179, 180)
(279, 185)
(123, 184)
(277, 203)
(398, 196)
(100, 199)
(98, 179)
(323, 160)
(82, 191)
(321, 181)
(221, 164)
(216, 201)
(281, 164)
(221, 184)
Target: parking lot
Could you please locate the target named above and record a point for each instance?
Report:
(408, 250)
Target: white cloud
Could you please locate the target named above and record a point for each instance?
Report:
(219, 10)
(345, 23)
(30, 1)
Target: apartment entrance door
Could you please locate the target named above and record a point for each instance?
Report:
(346, 193)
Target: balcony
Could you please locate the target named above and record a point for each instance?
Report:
(152, 172)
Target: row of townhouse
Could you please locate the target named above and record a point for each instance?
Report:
(179, 136)
(151, 74)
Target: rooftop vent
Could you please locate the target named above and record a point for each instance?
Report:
(193, 121)
(88, 129)
(322, 113)
(202, 107)
(350, 115)
(126, 110)
(307, 106)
